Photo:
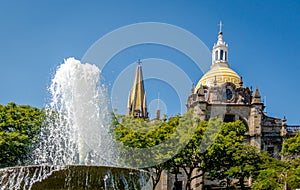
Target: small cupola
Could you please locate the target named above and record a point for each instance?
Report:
(220, 50)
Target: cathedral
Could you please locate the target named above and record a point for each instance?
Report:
(221, 89)
(221, 93)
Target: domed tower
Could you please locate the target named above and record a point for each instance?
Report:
(220, 84)
(221, 93)
(219, 72)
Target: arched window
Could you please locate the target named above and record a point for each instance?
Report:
(225, 59)
(229, 118)
(221, 54)
(216, 55)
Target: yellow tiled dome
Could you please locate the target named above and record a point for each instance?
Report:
(221, 74)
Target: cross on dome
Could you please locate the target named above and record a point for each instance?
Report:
(220, 25)
(139, 61)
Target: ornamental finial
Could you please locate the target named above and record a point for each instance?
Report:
(220, 26)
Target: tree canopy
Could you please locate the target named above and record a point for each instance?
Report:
(201, 146)
(279, 174)
(19, 126)
(230, 158)
(291, 147)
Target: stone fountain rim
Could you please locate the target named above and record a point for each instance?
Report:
(75, 165)
(54, 176)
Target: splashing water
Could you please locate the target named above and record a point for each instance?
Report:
(77, 150)
(77, 128)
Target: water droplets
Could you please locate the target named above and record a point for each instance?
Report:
(78, 123)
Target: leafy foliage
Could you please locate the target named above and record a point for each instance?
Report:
(271, 173)
(277, 174)
(293, 179)
(140, 139)
(291, 153)
(19, 126)
(202, 146)
(230, 158)
(291, 147)
(209, 147)
(191, 157)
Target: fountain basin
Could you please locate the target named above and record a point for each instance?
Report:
(72, 177)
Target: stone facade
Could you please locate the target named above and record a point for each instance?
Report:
(239, 103)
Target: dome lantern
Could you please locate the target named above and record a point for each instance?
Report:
(219, 72)
(220, 50)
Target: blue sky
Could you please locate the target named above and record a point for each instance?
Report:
(263, 37)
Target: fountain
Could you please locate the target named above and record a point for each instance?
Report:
(76, 149)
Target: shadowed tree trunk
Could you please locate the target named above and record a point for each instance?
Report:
(241, 181)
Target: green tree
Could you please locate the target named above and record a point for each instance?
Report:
(201, 146)
(291, 154)
(293, 175)
(291, 147)
(272, 174)
(193, 159)
(278, 174)
(190, 158)
(230, 158)
(19, 126)
(137, 137)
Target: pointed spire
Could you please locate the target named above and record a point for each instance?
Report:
(137, 98)
(256, 98)
(256, 93)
